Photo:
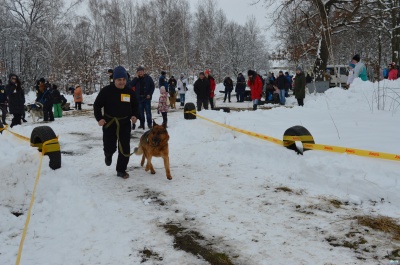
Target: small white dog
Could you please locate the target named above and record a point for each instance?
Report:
(36, 111)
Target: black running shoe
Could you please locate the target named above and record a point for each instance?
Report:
(123, 174)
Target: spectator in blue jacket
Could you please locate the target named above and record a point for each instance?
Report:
(162, 81)
(289, 84)
(281, 83)
(143, 86)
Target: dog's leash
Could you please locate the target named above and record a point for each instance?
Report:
(116, 120)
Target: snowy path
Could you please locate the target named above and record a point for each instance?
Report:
(254, 201)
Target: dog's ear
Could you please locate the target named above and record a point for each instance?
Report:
(154, 123)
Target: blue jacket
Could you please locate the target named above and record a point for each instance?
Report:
(143, 86)
(162, 81)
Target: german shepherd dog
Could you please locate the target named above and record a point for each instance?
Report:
(36, 111)
(154, 143)
(172, 100)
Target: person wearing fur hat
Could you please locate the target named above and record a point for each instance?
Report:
(359, 70)
(163, 104)
(120, 109)
(202, 90)
(16, 99)
(78, 97)
(300, 86)
(213, 85)
(255, 84)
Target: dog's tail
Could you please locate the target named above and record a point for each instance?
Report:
(138, 150)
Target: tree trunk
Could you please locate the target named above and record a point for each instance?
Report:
(321, 61)
(325, 41)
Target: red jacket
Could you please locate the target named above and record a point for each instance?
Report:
(393, 74)
(212, 86)
(255, 88)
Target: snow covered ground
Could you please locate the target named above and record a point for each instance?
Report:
(257, 202)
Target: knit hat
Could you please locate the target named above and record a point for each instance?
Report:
(163, 73)
(42, 80)
(207, 72)
(140, 68)
(110, 71)
(356, 58)
(120, 72)
(162, 89)
(251, 73)
(201, 73)
(352, 65)
(182, 75)
(76, 86)
(299, 69)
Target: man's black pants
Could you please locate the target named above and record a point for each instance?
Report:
(110, 143)
(202, 102)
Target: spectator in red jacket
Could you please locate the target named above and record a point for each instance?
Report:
(393, 72)
(212, 87)
(255, 85)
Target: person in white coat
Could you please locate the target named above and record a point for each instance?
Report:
(182, 88)
(350, 77)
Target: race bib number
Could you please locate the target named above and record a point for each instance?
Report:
(125, 98)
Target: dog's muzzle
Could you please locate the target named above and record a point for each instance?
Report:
(155, 140)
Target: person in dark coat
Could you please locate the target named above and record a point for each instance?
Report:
(143, 85)
(110, 76)
(281, 82)
(202, 89)
(3, 102)
(172, 86)
(162, 81)
(240, 87)
(43, 96)
(120, 109)
(308, 78)
(16, 99)
(228, 83)
(300, 86)
(56, 97)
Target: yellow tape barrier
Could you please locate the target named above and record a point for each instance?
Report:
(320, 147)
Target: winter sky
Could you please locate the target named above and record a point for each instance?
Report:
(235, 10)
